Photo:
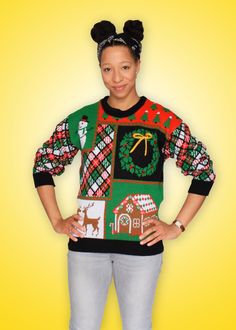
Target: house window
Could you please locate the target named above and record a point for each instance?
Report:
(136, 222)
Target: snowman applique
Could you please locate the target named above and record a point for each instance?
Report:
(82, 130)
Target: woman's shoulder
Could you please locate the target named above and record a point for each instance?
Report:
(84, 109)
(163, 116)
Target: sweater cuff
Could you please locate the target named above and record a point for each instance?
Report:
(200, 187)
(43, 178)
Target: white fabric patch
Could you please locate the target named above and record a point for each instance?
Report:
(92, 214)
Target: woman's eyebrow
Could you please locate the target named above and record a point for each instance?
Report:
(119, 62)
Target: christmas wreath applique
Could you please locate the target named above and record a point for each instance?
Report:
(129, 143)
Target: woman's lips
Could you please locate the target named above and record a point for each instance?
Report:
(119, 88)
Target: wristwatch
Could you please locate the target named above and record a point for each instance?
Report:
(179, 224)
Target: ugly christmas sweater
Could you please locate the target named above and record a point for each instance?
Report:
(121, 172)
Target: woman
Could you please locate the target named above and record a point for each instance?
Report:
(124, 140)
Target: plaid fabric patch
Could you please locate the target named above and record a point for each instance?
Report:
(191, 154)
(55, 153)
(95, 179)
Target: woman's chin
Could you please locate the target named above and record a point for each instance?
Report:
(119, 94)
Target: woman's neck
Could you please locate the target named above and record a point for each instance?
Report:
(123, 103)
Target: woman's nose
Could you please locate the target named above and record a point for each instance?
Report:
(117, 76)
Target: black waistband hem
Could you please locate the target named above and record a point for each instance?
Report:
(114, 246)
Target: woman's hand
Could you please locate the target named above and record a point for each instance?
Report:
(69, 226)
(160, 230)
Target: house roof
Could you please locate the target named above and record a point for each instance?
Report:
(144, 203)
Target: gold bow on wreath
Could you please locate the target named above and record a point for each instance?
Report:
(141, 137)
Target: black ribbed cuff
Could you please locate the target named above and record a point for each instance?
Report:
(43, 178)
(200, 187)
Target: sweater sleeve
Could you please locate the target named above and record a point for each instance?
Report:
(192, 158)
(54, 154)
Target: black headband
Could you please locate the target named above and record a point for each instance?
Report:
(126, 39)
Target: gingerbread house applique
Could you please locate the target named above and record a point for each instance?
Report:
(131, 212)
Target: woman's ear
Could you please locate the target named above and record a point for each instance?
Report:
(138, 66)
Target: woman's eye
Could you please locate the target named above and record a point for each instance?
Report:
(126, 66)
(106, 69)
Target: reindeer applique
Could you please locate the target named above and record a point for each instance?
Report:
(89, 221)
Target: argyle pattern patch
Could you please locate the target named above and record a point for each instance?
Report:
(96, 177)
(57, 152)
(191, 154)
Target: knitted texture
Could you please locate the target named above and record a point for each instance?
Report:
(121, 173)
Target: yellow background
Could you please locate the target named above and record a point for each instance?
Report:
(49, 69)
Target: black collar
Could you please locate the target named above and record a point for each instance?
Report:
(115, 112)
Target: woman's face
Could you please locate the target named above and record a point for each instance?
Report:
(118, 70)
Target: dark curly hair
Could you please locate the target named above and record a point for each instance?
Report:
(132, 36)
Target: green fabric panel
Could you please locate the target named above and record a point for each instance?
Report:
(90, 112)
(120, 190)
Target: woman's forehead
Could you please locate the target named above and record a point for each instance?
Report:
(116, 53)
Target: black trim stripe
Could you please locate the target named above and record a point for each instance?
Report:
(43, 178)
(115, 112)
(200, 187)
(114, 246)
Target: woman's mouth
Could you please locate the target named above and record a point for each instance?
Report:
(119, 88)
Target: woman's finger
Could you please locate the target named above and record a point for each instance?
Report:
(145, 222)
(155, 240)
(148, 231)
(79, 231)
(149, 238)
(72, 230)
(72, 237)
(76, 217)
(78, 225)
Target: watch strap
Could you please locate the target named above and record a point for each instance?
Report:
(179, 224)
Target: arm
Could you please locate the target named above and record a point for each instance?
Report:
(50, 160)
(47, 196)
(192, 158)
(52, 157)
(191, 206)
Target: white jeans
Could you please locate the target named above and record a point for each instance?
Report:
(135, 279)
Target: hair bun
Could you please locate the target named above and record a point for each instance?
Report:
(134, 28)
(102, 30)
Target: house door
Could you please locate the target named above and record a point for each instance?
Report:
(124, 223)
